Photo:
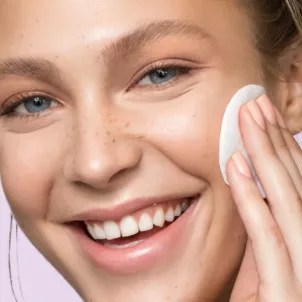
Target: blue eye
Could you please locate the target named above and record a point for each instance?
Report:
(37, 104)
(34, 104)
(161, 76)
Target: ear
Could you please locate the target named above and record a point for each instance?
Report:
(290, 89)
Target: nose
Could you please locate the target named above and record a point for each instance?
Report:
(96, 157)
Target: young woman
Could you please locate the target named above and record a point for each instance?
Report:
(110, 122)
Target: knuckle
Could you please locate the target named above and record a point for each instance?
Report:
(298, 200)
(283, 149)
(276, 237)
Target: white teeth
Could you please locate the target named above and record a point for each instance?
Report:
(100, 234)
(92, 231)
(184, 206)
(145, 223)
(112, 230)
(177, 211)
(169, 215)
(128, 226)
(159, 217)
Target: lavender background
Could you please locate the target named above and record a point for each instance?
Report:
(39, 280)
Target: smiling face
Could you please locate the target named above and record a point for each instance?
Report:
(110, 112)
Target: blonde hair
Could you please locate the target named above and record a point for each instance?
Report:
(277, 26)
(295, 7)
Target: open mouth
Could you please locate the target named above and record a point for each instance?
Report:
(137, 241)
(133, 229)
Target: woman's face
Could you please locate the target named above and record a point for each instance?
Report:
(120, 122)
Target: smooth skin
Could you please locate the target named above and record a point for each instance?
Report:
(111, 135)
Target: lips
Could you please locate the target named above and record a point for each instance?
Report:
(140, 221)
(137, 241)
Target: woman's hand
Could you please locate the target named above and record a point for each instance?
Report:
(271, 270)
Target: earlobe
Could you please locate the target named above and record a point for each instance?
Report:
(293, 108)
(291, 101)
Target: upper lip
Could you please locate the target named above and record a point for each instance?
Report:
(125, 208)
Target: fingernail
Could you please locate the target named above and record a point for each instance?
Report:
(267, 109)
(256, 113)
(280, 119)
(241, 164)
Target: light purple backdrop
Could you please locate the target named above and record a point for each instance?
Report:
(39, 280)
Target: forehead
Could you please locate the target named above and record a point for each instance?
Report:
(48, 26)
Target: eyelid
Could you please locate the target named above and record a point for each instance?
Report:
(164, 64)
(17, 99)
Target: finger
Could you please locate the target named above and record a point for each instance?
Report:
(282, 194)
(247, 278)
(285, 149)
(270, 251)
(289, 153)
(294, 147)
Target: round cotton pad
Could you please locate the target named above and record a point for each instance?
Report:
(230, 136)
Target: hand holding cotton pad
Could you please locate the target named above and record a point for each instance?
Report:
(230, 136)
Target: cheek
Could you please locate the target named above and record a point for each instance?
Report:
(188, 133)
(28, 163)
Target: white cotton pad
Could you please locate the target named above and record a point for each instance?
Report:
(230, 136)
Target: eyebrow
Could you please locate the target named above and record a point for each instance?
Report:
(45, 70)
(37, 68)
(149, 32)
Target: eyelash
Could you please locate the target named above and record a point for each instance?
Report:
(183, 69)
(7, 110)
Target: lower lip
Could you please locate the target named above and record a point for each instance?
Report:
(143, 255)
